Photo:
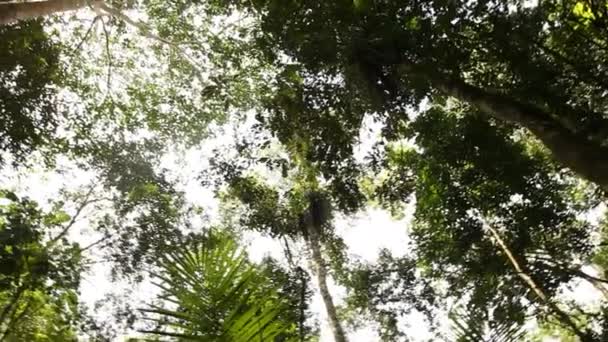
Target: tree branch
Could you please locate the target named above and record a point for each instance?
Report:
(94, 244)
(86, 35)
(85, 202)
(574, 150)
(562, 316)
(65, 230)
(109, 56)
(145, 30)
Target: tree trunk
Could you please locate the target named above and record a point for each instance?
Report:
(571, 148)
(321, 272)
(11, 12)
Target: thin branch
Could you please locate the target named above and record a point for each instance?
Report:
(85, 202)
(87, 34)
(552, 263)
(598, 283)
(94, 244)
(564, 317)
(225, 27)
(109, 55)
(145, 30)
(95, 262)
(287, 252)
(65, 230)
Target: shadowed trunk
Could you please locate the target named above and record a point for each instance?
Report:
(11, 12)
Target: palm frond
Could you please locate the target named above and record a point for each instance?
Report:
(468, 326)
(211, 292)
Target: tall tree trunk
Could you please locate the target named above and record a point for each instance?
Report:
(562, 316)
(11, 12)
(568, 145)
(319, 268)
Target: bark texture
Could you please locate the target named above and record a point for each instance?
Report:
(572, 148)
(11, 12)
(319, 269)
(583, 156)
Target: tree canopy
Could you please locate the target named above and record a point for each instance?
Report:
(482, 126)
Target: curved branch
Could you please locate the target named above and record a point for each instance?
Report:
(147, 32)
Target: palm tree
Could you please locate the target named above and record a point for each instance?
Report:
(211, 292)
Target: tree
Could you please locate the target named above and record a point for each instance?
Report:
(219, 295)
(29, 69)
(313, 221)
(297, 215)
(516, 63)
(40, 277)
(464, 167)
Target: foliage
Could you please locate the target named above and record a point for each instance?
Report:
(147, 210)
(467, 167)
(388, 58)
(387, 291)
(467, 326)
(29, 73)
(489, 111)
(40, 277)
(219, 295)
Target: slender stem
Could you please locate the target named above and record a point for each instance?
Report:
(84, 249)
(562, 316)
(66, 229)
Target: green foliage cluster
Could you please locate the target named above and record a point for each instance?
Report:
(29, 73)
(39, 278)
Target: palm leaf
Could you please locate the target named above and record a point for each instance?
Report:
(467, 326)
(213, 293)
